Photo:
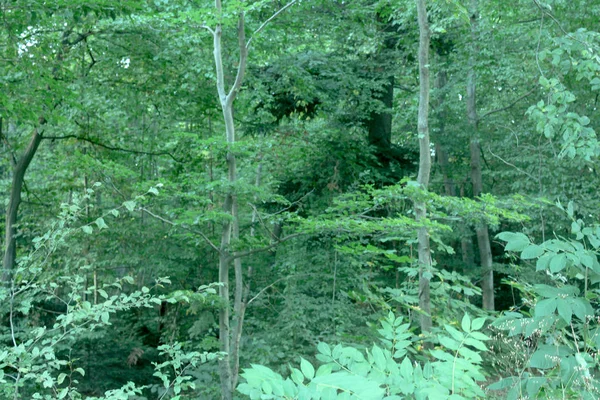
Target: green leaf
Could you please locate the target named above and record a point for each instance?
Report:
(564, 310)
(466, 323)
(476, 343)
(532, 251)
(105, 317)
(587, 259)
(324, 348)
(478, 323)
(449, 343)
(379, 358)
(297, 376)
(406, 368)
(456, 334)
(543, 262)
(545, 307)
(516, 241)
(558, 263)
(129, 205)
(100, 223)
(504, 383)
(61, 378)
(543, 359)
(324, 369)
(307, 369)
(87, 229)
(581, 308)
(534, 384)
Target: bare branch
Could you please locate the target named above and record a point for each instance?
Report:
(206, 239)
(263, 249)
(105, 146)
(208, 28)
(265, 289)
(242, 61)
(546, 10)
(264, 24)
(508, 106)
(290, 205)
(512, 165)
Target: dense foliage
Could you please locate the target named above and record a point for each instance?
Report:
(318, 199)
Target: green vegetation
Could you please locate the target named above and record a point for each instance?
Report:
(366, 199)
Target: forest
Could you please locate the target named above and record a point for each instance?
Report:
(300, 199)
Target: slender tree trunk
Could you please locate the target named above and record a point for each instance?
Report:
(483, 239)
(424, 168)
(12, 211)
(441, 154)
(230, 338)
(229, 365)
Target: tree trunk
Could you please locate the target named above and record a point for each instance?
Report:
(379, 123)
(424, 168)
(483, 239)
(229, 364)
(12, 211)
(441, 154)
(468, 255)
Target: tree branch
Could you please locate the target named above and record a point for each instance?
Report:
(242, 61)
(208, 241)
(512, 165)
(105, 146)
(264, 289)
(264, 24)
(208, 28)
(263, 249)
(508, 106)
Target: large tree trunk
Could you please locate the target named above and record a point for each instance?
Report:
(483, 239)
(12, 211)
(424, 168)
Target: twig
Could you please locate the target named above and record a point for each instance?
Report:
(537, 51)
(256, 215)
(557, 22)
(265, 288)
(512, 165)
(508, 106)
(263, 249)
(210, 243)
(264, 24)
(290, 206)
(105, 146)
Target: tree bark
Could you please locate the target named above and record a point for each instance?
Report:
(12, 211)
(424, 249)
(229, 364)
(483, 239)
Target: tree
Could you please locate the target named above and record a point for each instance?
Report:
(230, 340)
(425, 261)
(483, 239)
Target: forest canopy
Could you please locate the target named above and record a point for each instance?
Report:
(311, 199)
